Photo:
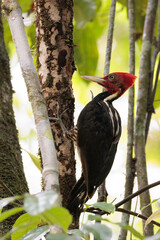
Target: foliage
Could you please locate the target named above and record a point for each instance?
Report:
(42, 211)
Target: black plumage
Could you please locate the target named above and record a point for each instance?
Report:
(98, 133)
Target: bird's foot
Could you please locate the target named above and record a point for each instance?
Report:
(72, 134)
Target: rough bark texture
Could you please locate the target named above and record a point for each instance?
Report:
(12, 179)
(130, 164)
(145, 67)
(55, 65)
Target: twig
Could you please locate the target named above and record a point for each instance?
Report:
(137, 193)
(136, 215)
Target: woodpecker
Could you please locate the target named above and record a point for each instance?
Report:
(98, 133)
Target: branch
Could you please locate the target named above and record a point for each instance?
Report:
(110, 37)
(136, 215)
(50, 169)
(137, 193)
(100, 212)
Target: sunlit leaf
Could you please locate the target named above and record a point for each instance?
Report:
(35, 160)
(99, 231)
(10, 212)
(24, 224)
(59, 216)
(152, 217)
(133, 231)
(36, 204)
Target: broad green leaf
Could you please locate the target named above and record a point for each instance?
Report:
(152, 217)
(155, 237)
(36, 204)
(35, 160)
(84, 11)
(9, 213)
(24, 224)
(36, 233)
(108, 207)
(62, 236)
(59, 216)
(5, 201)
(99, 231)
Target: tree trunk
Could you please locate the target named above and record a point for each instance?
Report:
(144, 74)
(12, 178)
(56, 66)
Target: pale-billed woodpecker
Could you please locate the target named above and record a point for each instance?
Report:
(98, 132)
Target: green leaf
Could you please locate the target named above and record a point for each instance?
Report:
(96, 217)
(133, 231)
(36, 204)
(36, 160)
(5, 201)
(62, 236)
(152, 217)
(127, 227)
(10, 212)
(99, 231)
(108, 207)
(24, 224)
(59, 216)
(84, 11)
(36, 233)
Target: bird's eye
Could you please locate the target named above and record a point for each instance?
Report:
(112, 77)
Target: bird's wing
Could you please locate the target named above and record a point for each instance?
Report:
(97, 143)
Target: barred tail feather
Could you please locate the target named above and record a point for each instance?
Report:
(77, 197)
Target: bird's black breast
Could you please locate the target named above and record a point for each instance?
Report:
(99, 129)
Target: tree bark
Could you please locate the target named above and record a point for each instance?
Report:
(12, 178)
(56, 66)
(130, 164)
(144, 73)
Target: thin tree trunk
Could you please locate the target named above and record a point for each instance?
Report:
(130, 164)
(102, 193)
(12, 178)
(50, 167)
(144, 73)
(55, 66)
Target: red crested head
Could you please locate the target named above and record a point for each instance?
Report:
(115, 83)
(118, 81)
